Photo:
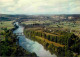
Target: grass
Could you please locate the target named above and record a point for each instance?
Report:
(67, 25)
(79, 56)
(6, 24)
(50, 42)
(38, 29)
(33, 22)
(48, 33)
(63, 25)
(2, 38)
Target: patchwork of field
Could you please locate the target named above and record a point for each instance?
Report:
(51, 37)
(34, 22)
(6, 24)
(50, 42)
(70, 26)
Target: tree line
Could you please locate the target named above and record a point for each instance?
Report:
(70, 40)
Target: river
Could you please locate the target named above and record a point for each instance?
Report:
(30, 45)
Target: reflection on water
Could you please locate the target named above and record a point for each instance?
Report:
(32, 46)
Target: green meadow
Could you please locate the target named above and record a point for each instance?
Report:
(6, 24)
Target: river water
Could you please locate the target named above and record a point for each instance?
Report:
(30, 45)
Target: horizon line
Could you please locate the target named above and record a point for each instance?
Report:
(39, 14)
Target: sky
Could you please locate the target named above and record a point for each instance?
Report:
(39, 6)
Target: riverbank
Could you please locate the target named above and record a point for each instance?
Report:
(8, 46)
(55, 44)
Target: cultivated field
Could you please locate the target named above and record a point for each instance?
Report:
(34, 22)
(6, 24)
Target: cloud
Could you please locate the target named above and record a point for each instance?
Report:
(39, 6)
(5, 3)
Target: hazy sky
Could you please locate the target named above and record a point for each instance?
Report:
(40, 6)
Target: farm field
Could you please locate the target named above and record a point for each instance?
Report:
(52, 38)
(70, 26)
(6, 24)
(37, 21)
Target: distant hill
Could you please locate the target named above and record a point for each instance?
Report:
(62, 17)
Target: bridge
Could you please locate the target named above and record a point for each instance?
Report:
(19, 34)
